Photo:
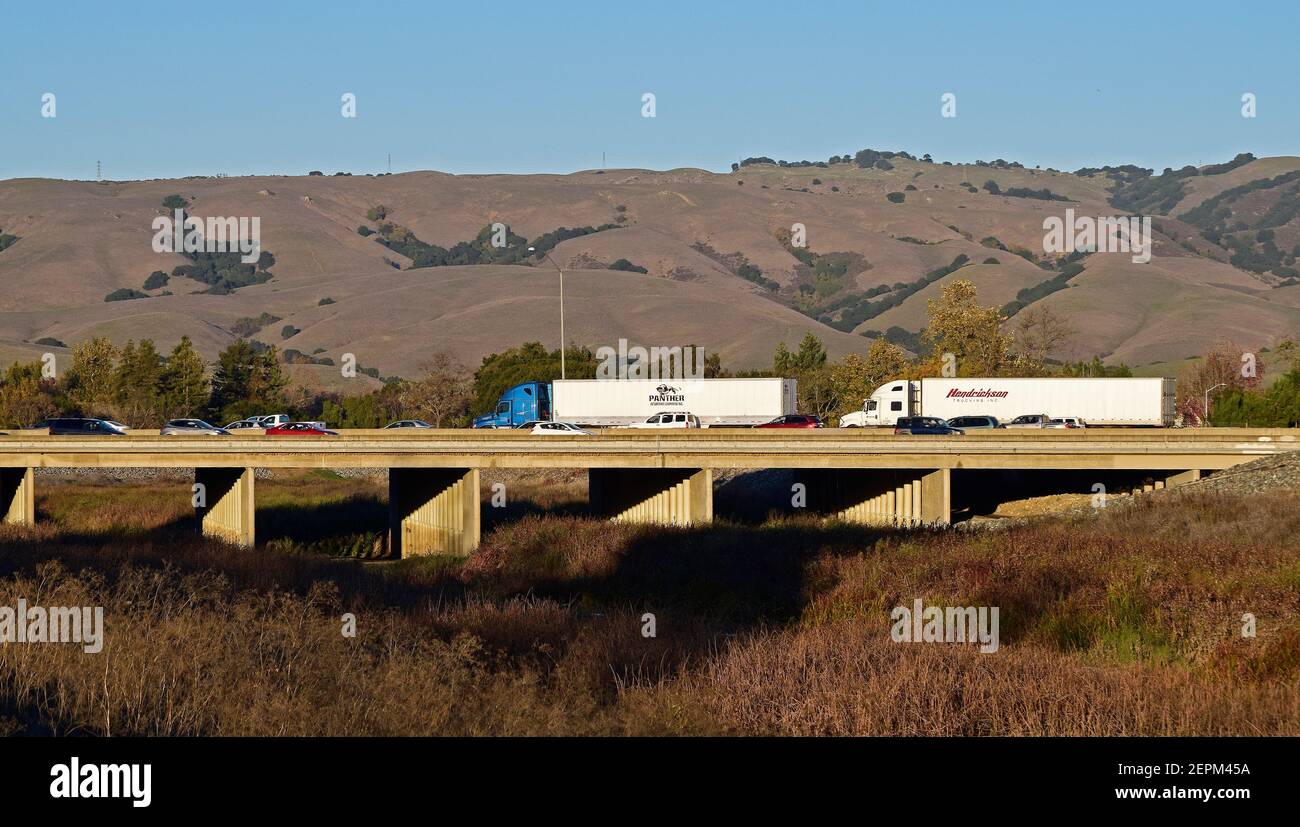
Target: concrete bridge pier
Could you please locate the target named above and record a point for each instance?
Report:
(661, 496)
(433, 511)
(224, 504)
(901, 497)
(1183, 478)
(17, 496)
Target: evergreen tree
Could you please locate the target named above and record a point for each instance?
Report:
(808, 368)
(247, 382)
(135, 384)
(183, 388)
(782, 361)
(811, 355)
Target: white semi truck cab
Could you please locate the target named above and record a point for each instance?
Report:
(883, 408)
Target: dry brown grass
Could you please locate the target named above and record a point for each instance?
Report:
(1126, 623)
(74, 251)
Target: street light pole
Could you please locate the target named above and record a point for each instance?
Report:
(563, 341)
(1206, 409)
(563, 345)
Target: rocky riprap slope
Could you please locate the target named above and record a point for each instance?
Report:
(1278, 472)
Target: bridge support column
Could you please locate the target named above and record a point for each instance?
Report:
(936, 497)
(433, 511)
(17, 496)
(880, 496)
(661, 496)
(224, 504)
(1182, 479)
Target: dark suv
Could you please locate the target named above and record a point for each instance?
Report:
(77, 426)
(925, 426)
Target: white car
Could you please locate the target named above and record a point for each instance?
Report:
(558, 429)
(270, 420)
(1066, 422)
(243, 424)
(669, 419)
(1030, 421)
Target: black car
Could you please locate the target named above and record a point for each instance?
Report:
(80, 426)
(925, 426)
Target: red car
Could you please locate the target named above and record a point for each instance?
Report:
(794, 421)
(300, 429)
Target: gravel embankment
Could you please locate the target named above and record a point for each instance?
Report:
(1280, 471)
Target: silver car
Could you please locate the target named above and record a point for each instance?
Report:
(975, 423)
(408, 423)
(192, 427)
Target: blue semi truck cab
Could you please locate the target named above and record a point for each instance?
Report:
(522, 403)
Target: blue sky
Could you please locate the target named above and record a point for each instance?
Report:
(164, 90)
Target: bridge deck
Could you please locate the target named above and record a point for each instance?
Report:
(741, 448)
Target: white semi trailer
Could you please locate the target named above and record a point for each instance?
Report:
(1101, 401)
(717, 402)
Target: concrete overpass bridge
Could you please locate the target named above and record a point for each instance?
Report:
(662, 477)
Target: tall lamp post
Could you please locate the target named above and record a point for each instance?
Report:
(547, 256)
(1207, 400)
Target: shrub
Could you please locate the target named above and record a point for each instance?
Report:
(324, 301)
(245, 327)
(1040, 195)
(896, 197)
(364, 231)
(125, 293)
(289, 331)
(156, 279)
(625, 265)
(377, 213)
